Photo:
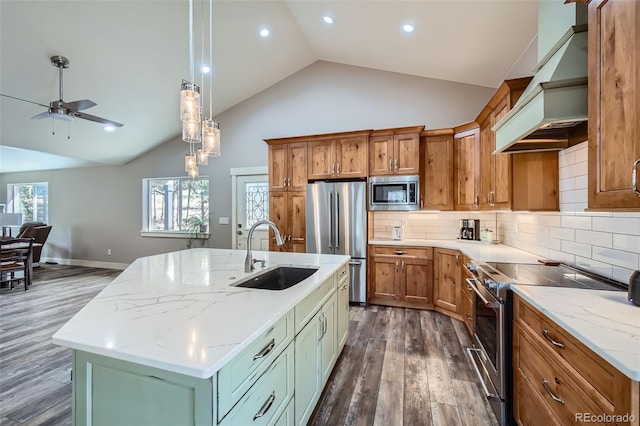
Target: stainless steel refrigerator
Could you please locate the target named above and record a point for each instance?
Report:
(337, 224)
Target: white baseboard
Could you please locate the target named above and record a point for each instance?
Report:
(87, 263)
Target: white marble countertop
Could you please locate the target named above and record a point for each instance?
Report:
(178, 312)
(476, 250)
(605, 321)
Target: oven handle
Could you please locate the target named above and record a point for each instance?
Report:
(487, 394)
(492, 305)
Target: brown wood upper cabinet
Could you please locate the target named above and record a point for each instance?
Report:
(340, 156)
(466, 166)
(614, 104)
(395, 151)
(436, 183)
(287, 166)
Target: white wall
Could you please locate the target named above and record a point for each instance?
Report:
(93, 209)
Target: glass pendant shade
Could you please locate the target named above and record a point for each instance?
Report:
(191, 131)
(189, 101)
(190, 162)
(211, 137)
(194, 173)
(202, 156)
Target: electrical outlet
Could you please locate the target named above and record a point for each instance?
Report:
(108, 252)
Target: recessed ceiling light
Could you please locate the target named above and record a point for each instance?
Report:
(264, 32)
(408, 28)
(205, 69)
(328, 19)
(109, 128)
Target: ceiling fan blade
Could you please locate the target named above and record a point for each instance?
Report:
(97, 119)
(41, 116)
(76, 106)
(23, 100)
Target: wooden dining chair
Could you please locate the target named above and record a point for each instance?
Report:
(15, 257)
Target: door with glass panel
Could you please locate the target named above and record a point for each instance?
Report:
(252, 205)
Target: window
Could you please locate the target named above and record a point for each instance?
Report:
(30, 199)
(257, 202)
(174, 205)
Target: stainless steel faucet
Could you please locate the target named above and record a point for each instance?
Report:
(249, 260)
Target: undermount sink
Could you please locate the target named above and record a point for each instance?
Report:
(279, 278)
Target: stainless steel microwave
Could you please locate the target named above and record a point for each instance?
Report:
(394, 193)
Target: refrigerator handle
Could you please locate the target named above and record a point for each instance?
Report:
(337, 222)
(331, 220)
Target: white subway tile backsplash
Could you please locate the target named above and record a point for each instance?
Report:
(622, 274)
(562, 256)
(567, 184)
(552, 219)
(578, 249)
(621, 258)
(617, 225)
(568, 234)
(626, 242)
(576, 222)
(602, 239)
(582, 182)
(601, 268)
(573, 196)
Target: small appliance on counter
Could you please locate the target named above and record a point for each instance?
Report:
(486, 236)
(634, 288)
(470, 229)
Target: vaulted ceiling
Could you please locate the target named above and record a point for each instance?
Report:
(130, 57)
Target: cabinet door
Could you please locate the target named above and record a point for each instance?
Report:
(352, 157)
(501, 165)
(406, 154)
(278, 214)
(329, 342)
(437, 186)
(486, 163)
(322, 163)
(384, 285)
(343, 314)
(278, 159)
(418, 282)
(466, 165)
(447, 280)
(614, 103)
(380, 155)
(297, 233)
(308, 383)
(535, 181)
(297, 166)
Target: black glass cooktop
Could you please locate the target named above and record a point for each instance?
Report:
(556, 276)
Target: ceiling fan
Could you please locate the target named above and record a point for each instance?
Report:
(66, 111)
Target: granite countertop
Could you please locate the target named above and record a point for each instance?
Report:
(476, 250)
(178, 312)
(605, 321)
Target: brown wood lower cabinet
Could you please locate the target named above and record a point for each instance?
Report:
(557, 378)
(401, 276)
(468, 295)
(447, 281)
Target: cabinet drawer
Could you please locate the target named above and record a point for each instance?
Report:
(529, 409)
(268, 397)
(402, 251)
(343, 274)
(536, 364)
(582, 363)
(287, 418)
(236, 378)
(306, 309)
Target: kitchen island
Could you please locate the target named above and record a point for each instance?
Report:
(173, 341)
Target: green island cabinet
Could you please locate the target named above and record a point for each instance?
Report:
(255, 388)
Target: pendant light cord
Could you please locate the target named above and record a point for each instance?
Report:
(210, 60)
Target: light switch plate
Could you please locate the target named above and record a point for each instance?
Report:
(223, 221)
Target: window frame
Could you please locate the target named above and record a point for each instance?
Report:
(10, 207)
(146, 196)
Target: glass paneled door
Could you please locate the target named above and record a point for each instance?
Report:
(252, 205)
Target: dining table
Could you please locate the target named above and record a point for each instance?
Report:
(17, 248)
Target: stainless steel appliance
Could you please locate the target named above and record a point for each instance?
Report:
(394, 192)
(493, 315)
(337, 224)
(470, 229)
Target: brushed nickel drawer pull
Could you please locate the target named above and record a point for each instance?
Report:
(634, 177)
(266, 350)
(265, 407)
(545, 334)
(546, 388)
(390, 162)
(397, 165)
(400, 252)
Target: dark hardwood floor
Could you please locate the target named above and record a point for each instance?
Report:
(399, 367)
(35, 375)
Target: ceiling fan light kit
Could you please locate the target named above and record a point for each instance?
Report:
(195, 128)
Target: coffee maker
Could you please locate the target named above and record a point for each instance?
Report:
(470, 229)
